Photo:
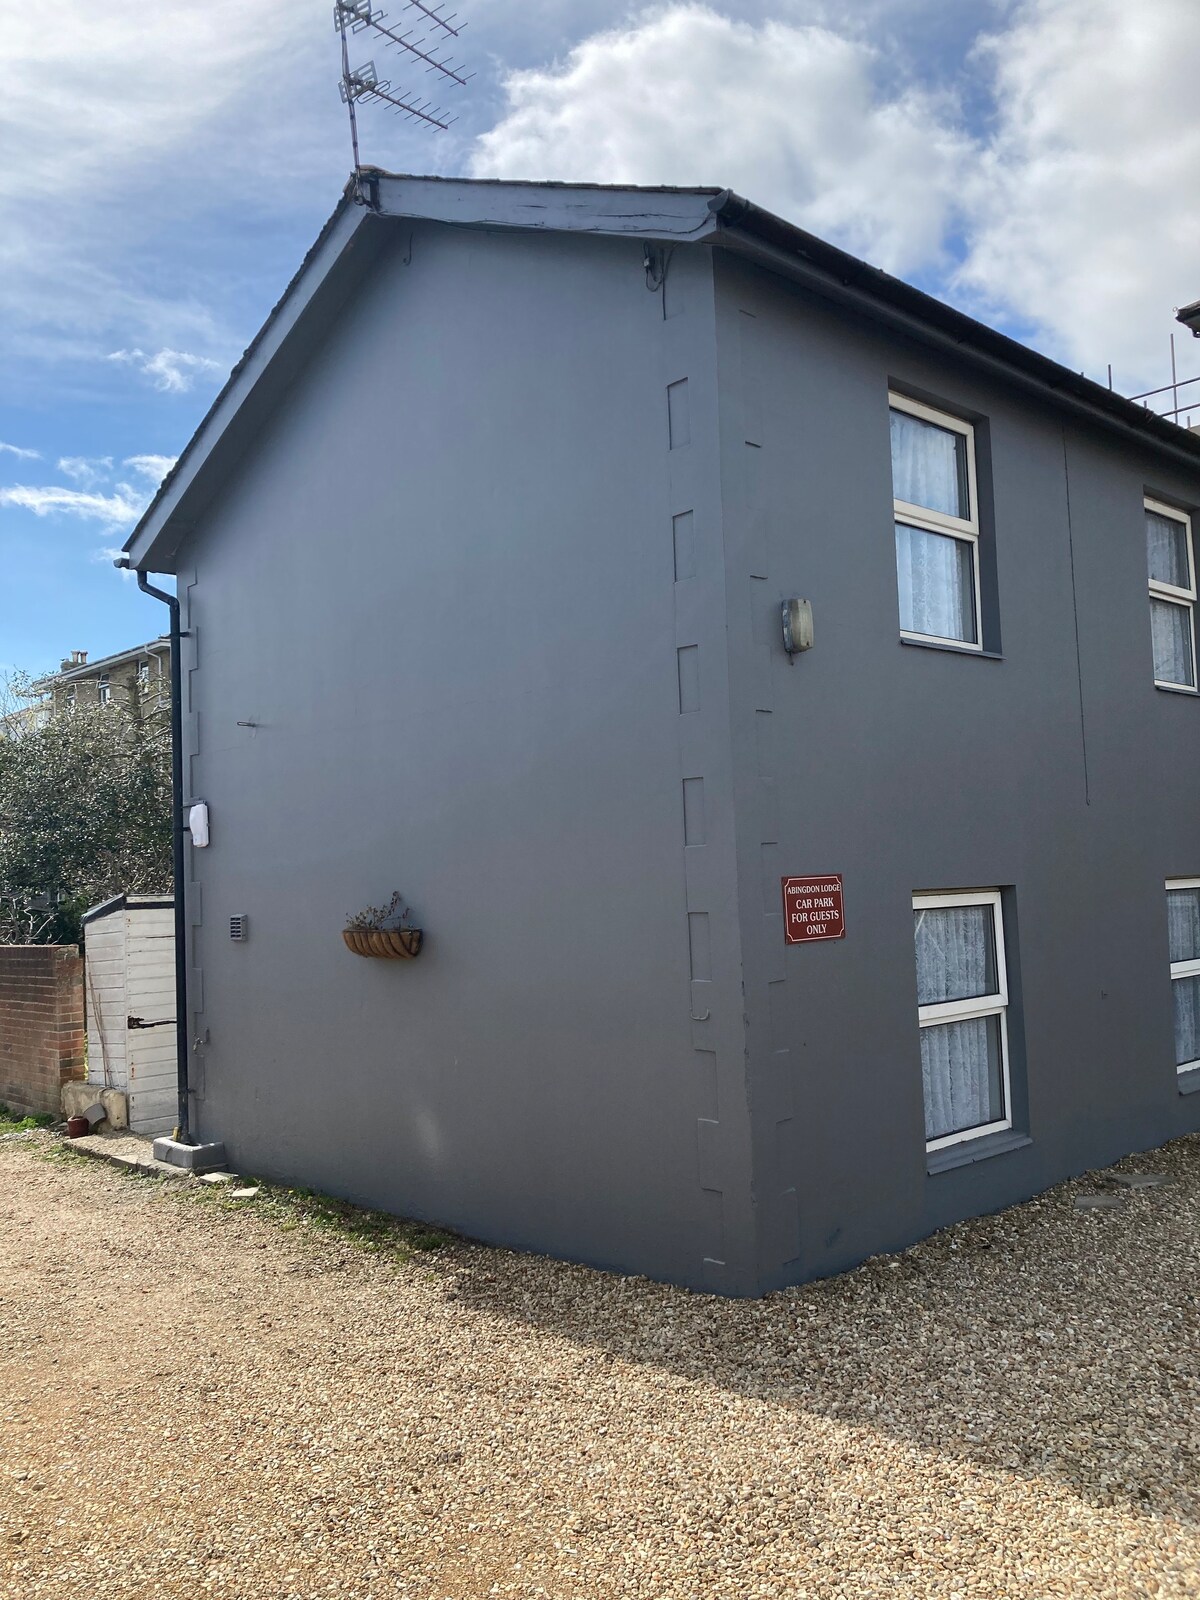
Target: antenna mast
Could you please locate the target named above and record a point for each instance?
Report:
(364, 83)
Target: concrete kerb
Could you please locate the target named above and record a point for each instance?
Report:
(129, 1151)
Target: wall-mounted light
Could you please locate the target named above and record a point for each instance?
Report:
(797, 626)
(198, 824)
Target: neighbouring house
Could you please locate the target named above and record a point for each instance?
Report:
(125, 678)
(774, 692)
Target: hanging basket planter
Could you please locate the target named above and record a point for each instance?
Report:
(389, 944)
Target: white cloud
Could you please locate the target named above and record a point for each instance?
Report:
(1084, 218)
(85, 470)
(171, 371)
(790, 113)
(1068, 211)
(150, 125)
(152, 468)
(120, 509)
(20, 453)
(94, 497)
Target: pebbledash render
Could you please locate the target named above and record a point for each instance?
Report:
(486, 553)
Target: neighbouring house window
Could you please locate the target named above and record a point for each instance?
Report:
(70, 696)
(143, 672)
(103, 690)
(1172, 573)
(962, 998)
(1183, 931)
(936, 509)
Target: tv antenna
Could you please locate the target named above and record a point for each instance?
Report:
(363, 85)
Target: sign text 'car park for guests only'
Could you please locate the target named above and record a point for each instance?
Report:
(812, 909)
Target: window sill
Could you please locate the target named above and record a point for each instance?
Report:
(1189, 1081)
(955, 649)
(1175, 688)
(992, 1144)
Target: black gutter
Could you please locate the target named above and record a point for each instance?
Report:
(182, 1131)
(843, 278)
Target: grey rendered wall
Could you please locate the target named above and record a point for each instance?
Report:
(458, 629)
(1057, 772)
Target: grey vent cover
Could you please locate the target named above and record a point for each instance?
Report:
(238, 928)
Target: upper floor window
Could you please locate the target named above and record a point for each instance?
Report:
(1172, 571)
(70, 696)
(143, 672)
(103, 689)
(962, 999)
(936, 508)
(1183, 933)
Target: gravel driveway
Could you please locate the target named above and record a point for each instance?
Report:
(198, 1399)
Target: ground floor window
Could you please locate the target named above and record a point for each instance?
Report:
(1183, 930)
(962, 998)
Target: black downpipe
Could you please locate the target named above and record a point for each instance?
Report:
(183, 1131)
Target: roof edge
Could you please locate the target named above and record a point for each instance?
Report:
(708, 216)
(611, 210)
(339, 232)
(854, 282)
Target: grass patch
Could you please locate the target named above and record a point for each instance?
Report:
(12, 1122)
(305, 1210)
(290, 1210)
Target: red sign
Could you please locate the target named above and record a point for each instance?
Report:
(812, 909)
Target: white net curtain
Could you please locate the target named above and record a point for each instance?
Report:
(961, 1061)
(1183, 928)
(935, 570)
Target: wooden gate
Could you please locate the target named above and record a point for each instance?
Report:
(129, 956)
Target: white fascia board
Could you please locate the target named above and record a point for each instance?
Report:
(551, 208)
(254, 363)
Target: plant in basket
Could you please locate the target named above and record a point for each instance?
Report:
(383, 931)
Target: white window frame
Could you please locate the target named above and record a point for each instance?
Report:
(1170, 592)
(989, 1005)
(964, 528)
(103, 689)
(1184, 969)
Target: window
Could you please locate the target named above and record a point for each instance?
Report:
(962, 999)
(1183, 930)
(935, 504)
(103, 689)
(143, 672)
(1172, 595)
(70, 696)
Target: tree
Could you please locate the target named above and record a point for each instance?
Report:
(85, 813)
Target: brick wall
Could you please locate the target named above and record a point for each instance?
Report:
(42, 1037)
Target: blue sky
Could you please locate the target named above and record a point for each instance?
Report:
(163, 170)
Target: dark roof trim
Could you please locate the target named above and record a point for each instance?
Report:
(147, 543)
(1190, 317)
(350, 241)
(844, 278)
(343, 249)
(609, 209)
